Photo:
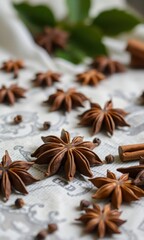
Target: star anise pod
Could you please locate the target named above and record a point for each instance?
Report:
(74, 155)
(135, 172)
(107, 118)
(14, 175)
(141, 99)
(52, 39)
(13, 66)
(107, 66)
(11, 94)
(46, 79)
(66, 100)
(118, 190)
(102, 221)
(90, 77)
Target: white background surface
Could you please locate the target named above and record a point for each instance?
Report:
(53, 194)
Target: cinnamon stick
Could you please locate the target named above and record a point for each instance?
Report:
(136, 48)
(137, 62)
(131, 152)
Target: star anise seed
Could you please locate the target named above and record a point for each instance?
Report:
(13, 66)
(66, 100)
(119, 190)
(52, 39)
(101, 220)
(46, 79)
(107, 66)
(90, 77)
(11, 94)
(18, 119)
(107, 118)
(75, 155)
(14, 175)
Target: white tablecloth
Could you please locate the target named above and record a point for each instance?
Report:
(53, 199)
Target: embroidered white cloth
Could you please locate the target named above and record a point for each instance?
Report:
(53, 199)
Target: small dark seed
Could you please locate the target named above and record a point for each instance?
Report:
(19, 203)
(46, 125)
(109, 158)
(52, 227)
(41, 235)
(17, 119)
(84, 204)
(97, 141)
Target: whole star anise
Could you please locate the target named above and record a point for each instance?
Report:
(46, 79)
(66, 100)
(13, 66)
(107, 118)
(101, 221)
(107, 66)
(74, 155)
(14, 175)
(135, 172)
(91, 77)
(52, 39)
(11, 94)
(119, 190)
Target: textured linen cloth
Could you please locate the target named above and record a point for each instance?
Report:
(53, 199)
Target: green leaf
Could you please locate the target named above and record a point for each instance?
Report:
(113, 22)
(78, 10)
(88, 39)
(72, 53)
(36, 15)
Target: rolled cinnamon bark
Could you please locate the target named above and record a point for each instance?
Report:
(136, 48)
(137, 62)
(131, 152)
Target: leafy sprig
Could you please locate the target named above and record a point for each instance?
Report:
(86, 33)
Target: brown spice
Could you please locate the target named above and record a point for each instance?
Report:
(66, 100)
(97, 141)
(107, 118)
(117, 189)
(107, 66)
(13, 66)
(136, 48)
(131, 152)
(46, 125)
(41, 235)
(48, 78)
(19, 203)
(14, 175)
(52, 39)
(137, 62)
(74, 155)
(84, 204)
(141, 99)
(90, 77)
(101, 220)
(52, 228)
(18, 119)
(11, 94)
(135, 172)
(109, 159)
